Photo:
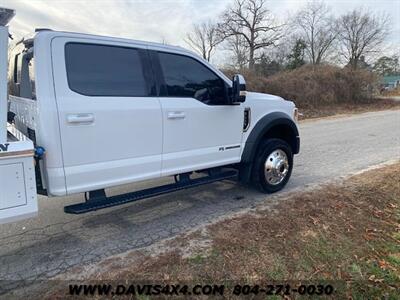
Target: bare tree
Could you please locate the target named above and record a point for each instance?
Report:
(253, 21)
(237, 46)
(361, 33)
(203, 38)
(316, 28)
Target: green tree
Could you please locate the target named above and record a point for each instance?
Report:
(296, 56)
(268, 65)
(386, 65)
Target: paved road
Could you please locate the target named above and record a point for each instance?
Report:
(43, 247)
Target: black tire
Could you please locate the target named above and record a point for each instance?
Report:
(281, 167)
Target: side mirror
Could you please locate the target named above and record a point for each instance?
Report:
(238, 89)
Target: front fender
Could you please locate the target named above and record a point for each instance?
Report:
(266, 124)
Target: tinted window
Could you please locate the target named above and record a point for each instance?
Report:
(99, 70)
(21, 80)
(16, 68)
(12, 76)
(31, 73)
(186, 77)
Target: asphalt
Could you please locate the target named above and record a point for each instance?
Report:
(50, 244)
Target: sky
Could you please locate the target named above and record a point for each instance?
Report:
(165, 21)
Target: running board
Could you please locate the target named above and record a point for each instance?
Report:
(105, 202)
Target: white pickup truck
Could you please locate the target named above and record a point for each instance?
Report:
(103, 111)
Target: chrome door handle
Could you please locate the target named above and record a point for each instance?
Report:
(176, 115)
(80, 118)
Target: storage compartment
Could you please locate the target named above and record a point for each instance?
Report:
(12, 193)
(18, 199)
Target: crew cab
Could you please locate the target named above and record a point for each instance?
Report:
(103, 111)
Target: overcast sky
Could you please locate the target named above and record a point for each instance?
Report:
(161, 20)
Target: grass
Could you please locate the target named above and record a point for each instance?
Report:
(346, 234)
(392, 93)
(348, 108)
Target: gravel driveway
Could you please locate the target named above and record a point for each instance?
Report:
(48, 245)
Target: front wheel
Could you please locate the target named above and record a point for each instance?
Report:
(273, 165)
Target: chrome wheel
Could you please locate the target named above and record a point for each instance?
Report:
(276, 167)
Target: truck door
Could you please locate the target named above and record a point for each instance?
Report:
(110, 124)
(200, 129)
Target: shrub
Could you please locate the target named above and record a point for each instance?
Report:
(314, 86)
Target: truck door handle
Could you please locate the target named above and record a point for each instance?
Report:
(80, 118)
(176, 115)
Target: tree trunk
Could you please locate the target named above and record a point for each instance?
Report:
(251, 59)
(354, 63)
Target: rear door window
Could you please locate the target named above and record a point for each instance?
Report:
(101, 70)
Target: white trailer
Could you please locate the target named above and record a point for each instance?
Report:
(86, 113)
(18, 198)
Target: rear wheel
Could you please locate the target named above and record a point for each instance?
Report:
(273, 165)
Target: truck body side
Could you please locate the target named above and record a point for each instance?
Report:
(98, 141)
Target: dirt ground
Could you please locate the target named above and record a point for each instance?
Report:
(348, 109)
(347, 234)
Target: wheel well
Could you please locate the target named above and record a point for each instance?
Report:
(274, 125)
(283, 132)
(279, 131)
